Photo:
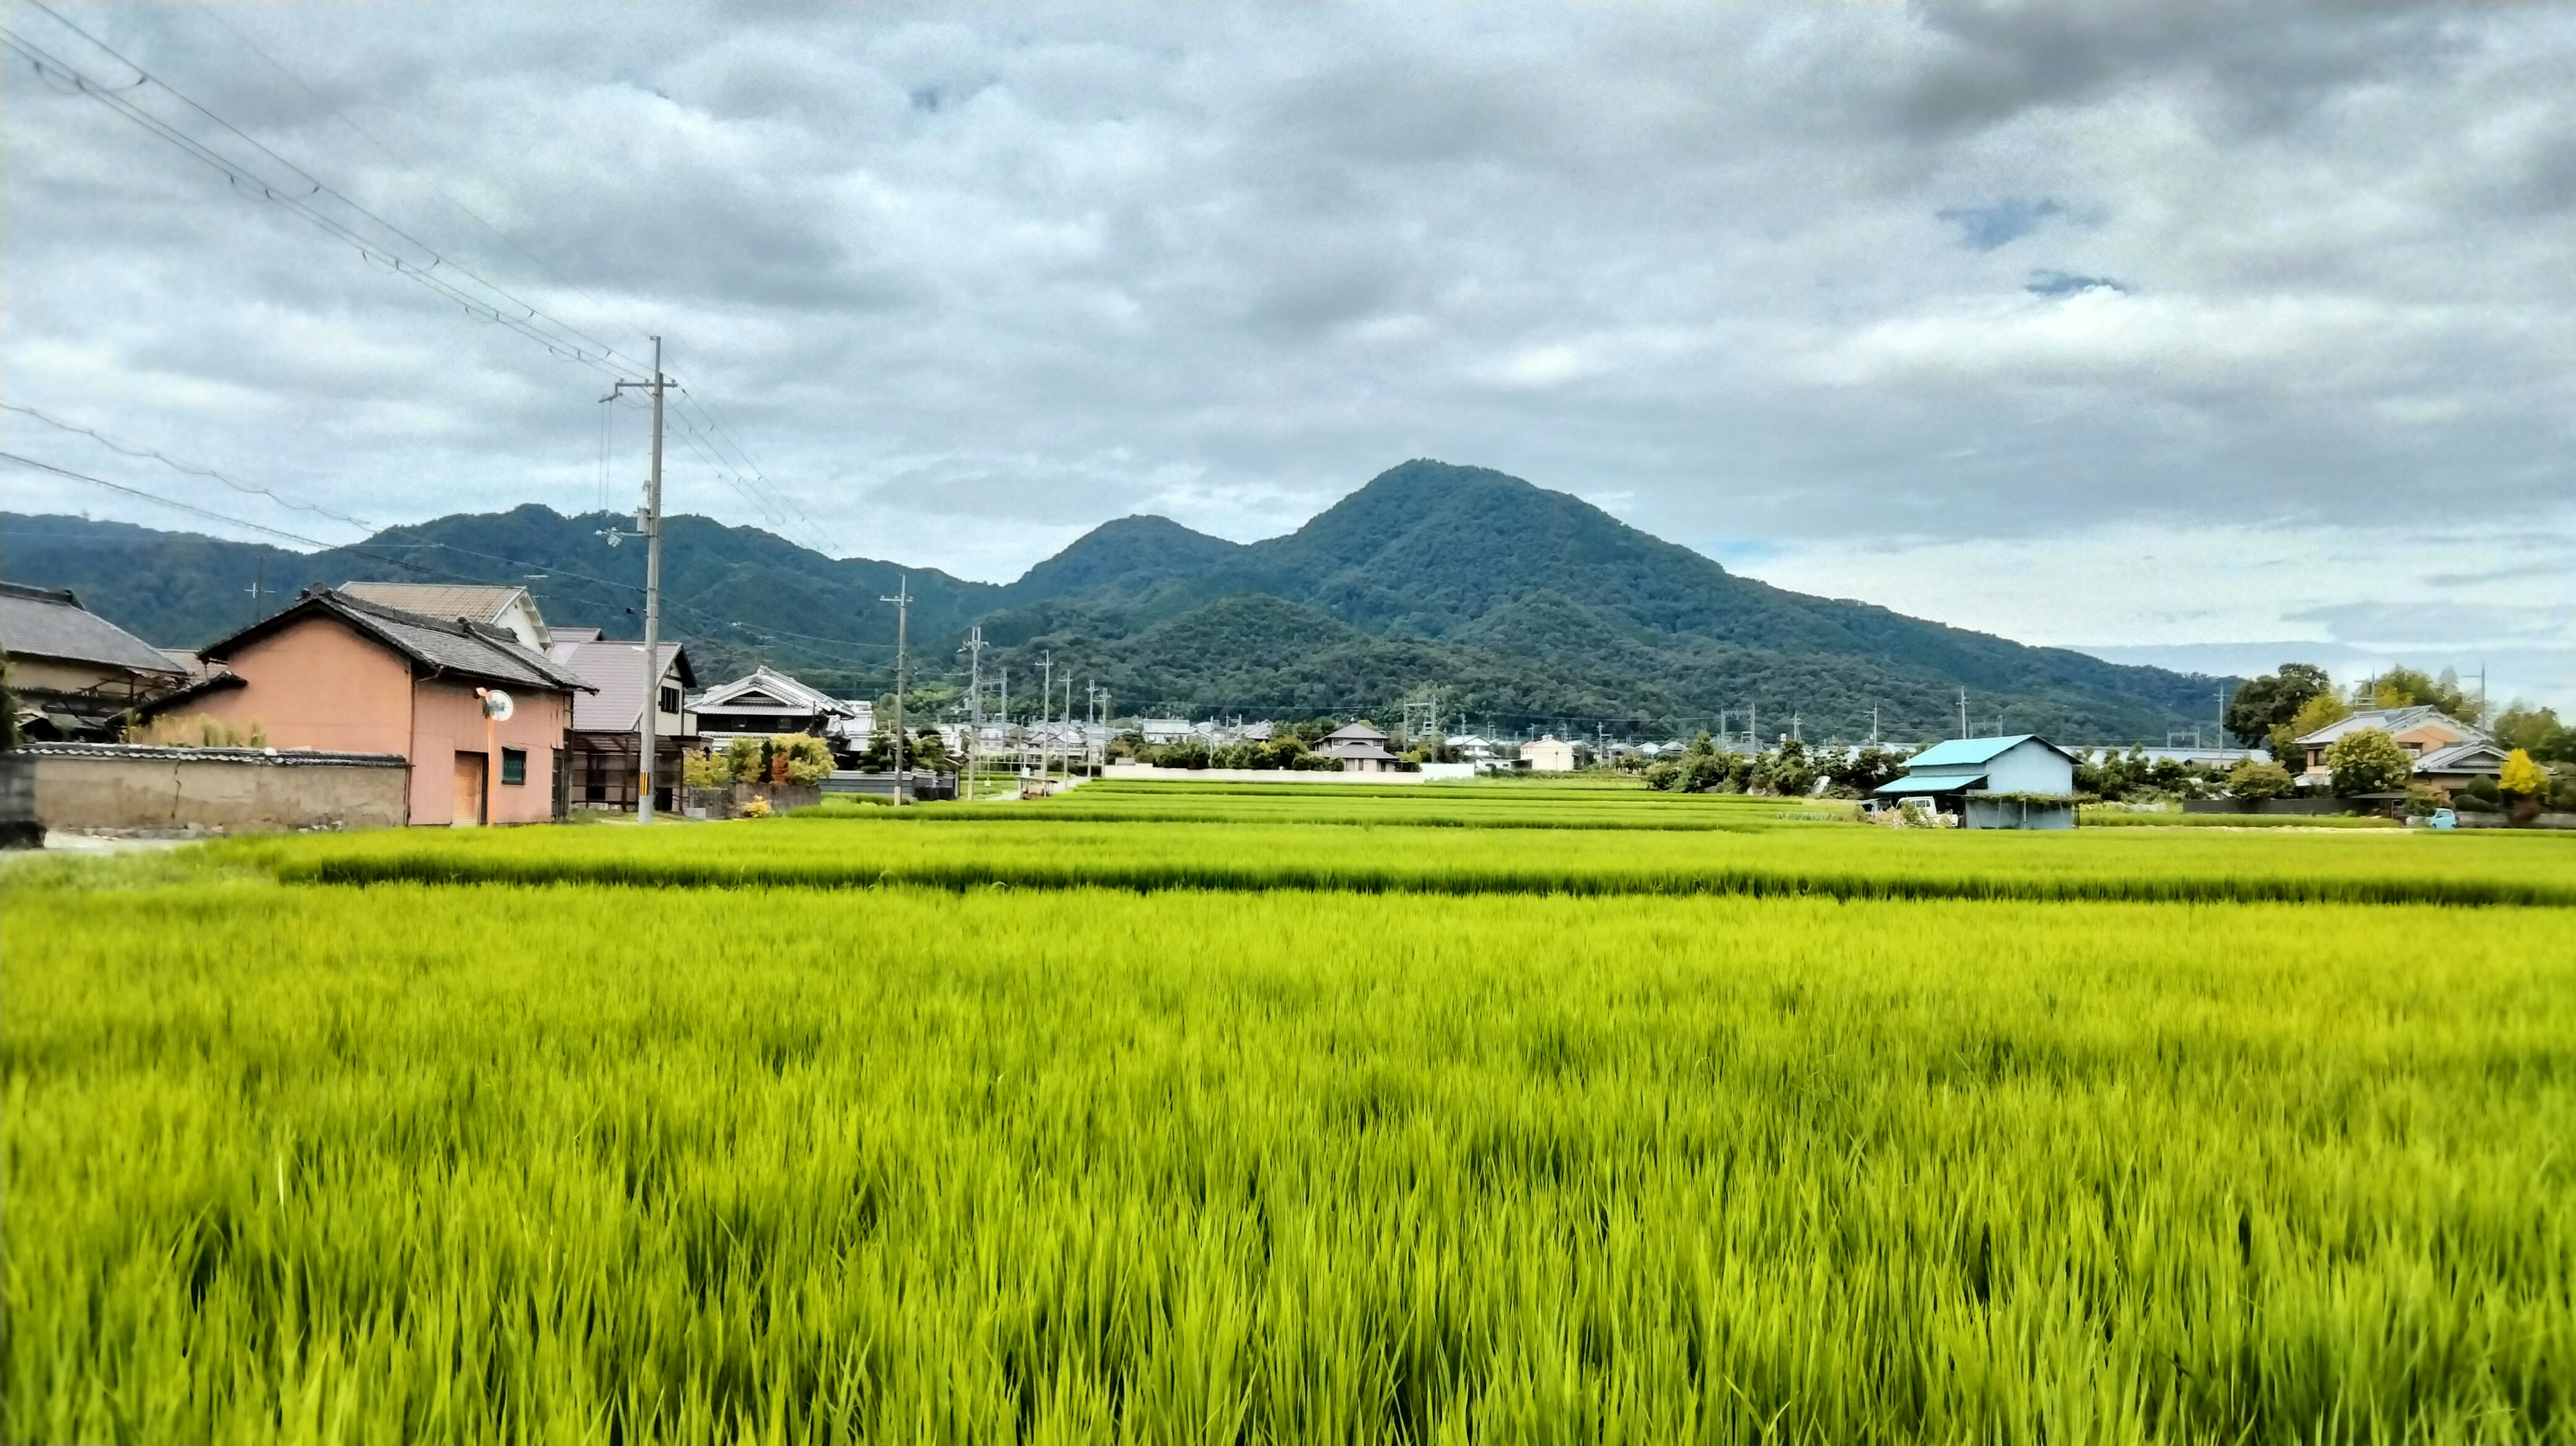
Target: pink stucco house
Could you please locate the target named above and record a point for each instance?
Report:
(340, 672)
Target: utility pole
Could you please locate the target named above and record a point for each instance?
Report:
(1046, 685)
(649, 522)
(902, 601)
(259, 574)
(1873, 725)
(1963, 712)
(974, 651)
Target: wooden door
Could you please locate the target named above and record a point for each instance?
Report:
(470, 792)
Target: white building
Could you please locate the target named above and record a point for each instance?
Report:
(1550, 754)
(764, 702)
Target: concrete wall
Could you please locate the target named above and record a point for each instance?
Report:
(1250, 775)
(2030, 767)
(2007, 813)
(130, 786)
(447, 720)
(318, 685)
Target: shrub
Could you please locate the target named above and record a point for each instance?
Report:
(2256, 778)
(2522, 778)
(2367, 760)
(195, 730)
(756, 808)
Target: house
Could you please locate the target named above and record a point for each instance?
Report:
(1550, 754)
(2006, 782)
(1475, 748)
(76, 674)
(2447, 753)
(604, 748)
(1360, 748)
(340, 673)
(766, 701)
(510, 609)
(1165, 730)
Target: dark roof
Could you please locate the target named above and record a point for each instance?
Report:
(458, 647)
(51, 623)
(1355, 733)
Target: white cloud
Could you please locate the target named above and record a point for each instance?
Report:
(1048, 266)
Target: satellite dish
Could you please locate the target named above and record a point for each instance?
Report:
(496, 705)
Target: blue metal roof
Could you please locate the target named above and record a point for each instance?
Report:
(1971, 752)
(1932, 783)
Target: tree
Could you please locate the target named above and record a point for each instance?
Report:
(2322, 710)
(2521, 777)
(2407, 687)
(2274, 699)
(2537, 731)
(2254, 778)
(2367, 760)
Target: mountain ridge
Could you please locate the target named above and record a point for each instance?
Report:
(1513, 602)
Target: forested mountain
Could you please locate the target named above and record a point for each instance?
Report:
(1516, 605)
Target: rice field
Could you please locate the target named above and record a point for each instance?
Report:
(1243, 1129)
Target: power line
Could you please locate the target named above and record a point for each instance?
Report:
(521, 316)
(131, 449)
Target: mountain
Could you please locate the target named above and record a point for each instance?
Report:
(1518, 606)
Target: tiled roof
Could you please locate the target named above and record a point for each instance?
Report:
(617, 671)
(49, 623)
(2474, 756)
(1354, 733)
(437, 599)
(476, 651)
(2393, 720)
(777, 685)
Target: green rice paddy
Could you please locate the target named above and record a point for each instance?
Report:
(1202, 1121)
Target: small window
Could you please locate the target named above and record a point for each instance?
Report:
(670, 700)
(514, 765)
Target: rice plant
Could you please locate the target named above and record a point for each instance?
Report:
(425, 1163)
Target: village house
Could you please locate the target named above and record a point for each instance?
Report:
(337, 672)
(2445, 752)
(1359, 747)
(764, 702)
(76, 674)
(604, 748)
(2015, 781)
(1549, 754)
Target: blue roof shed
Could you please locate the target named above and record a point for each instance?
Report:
(2017, 763)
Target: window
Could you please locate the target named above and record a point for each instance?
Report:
(514, 765)
(670, 700)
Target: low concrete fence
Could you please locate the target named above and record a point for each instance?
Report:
(1251, 775)
(730, 802)
(2505, 820)
(129, 787)
(2311, 807)
(921, 787)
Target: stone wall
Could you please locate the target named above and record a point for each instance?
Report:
(125, 786)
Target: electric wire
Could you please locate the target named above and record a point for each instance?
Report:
(134, 450)
(522, 317)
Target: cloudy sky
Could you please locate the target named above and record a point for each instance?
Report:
(2159, 327)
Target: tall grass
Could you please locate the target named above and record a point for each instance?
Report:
(422, 1164)
(1783, 859)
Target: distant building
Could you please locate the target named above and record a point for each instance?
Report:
(76, 674)
(1361, 749)
(2006, 782)
(1165, 730)
(1550, 754)
(604, 748)
(510, 609)
(341, 673)
(2446, 753)
(764, 702)
(1474, 748)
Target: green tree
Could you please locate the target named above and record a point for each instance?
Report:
(2256, 778)
(2271, 701)
(2367, 760)
(2322, 710)
(2537, 731)
(2407, 687)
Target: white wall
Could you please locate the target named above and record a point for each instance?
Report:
(2030, 767)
